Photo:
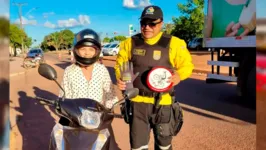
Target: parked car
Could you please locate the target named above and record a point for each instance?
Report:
(196, 43)
(105, 46)
(111, 49)
(34, 52)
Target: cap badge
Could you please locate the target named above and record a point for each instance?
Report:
(150, 10)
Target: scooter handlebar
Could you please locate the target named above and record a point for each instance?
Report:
(116, 115)
(45, 101)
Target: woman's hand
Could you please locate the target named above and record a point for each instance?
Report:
(121, 85)
(232, 30)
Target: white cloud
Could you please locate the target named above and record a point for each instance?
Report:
(49, 24)
(136, 4)
(70, 23)
(45, 15)
(84, 19)
(31, 17)
(144, 3)
(26, 21)
(129, 4)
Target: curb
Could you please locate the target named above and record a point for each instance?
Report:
(16, 74)
(199, 73)
(205, 72)
(23, 72)
(109, 59)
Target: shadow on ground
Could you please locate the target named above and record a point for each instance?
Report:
(36, 123)
(63, 64)
(4, 117)
(219, 98)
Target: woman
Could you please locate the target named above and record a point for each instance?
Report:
(87, 78)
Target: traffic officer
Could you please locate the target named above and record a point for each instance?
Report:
(145, 50)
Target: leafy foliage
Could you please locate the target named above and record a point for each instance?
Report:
(106, 40)
(191, 23)
(58, 40)
(4, 26)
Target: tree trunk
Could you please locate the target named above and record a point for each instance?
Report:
(15, 51)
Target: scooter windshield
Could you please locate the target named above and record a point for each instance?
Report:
(85, 112)
(64, 137)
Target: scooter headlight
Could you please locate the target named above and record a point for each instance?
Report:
(90, 119)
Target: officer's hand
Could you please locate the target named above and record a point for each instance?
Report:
(121, 85)
(175, 79)
(127, 75)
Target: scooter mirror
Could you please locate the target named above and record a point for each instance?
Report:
(47, 71)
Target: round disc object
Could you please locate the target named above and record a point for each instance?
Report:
(157, 79)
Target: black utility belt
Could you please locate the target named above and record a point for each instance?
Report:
(152, 94)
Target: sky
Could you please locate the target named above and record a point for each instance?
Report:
(104, 16)
(261, 6)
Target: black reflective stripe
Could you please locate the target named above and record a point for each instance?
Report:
(137, 40)
(164, 41)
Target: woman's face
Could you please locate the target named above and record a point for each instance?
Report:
(86, 52)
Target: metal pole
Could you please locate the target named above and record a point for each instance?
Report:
(20, 17)
(22, 38)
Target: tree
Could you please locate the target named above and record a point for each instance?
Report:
(106, 40)
(55, 39)
(15, 34)
(168, 28)
(44, 44)
(4, 26)
(68, 37)
(112, 40)
(119, 38)
(58, 40)
(191, 23)
(28, 41)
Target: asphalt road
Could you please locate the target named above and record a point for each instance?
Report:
(214, 116)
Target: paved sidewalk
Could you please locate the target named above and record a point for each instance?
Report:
(16, 65)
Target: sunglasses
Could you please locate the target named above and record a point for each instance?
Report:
(149, 23)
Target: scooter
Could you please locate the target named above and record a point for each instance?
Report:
(32, 62)
(90, 121)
